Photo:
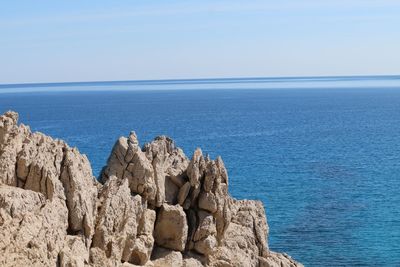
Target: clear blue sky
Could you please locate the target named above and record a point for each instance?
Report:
(51, 41)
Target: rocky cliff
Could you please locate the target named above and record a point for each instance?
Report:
(152, 206)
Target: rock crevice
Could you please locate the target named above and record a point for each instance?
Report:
(152, 207)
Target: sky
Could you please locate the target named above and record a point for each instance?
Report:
(62, 41)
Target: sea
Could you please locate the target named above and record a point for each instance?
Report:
(321, 153)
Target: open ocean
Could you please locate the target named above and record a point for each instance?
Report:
(322, 153)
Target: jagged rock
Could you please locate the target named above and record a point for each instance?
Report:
(12, 137)
(81, 192)
(116, 163)
(156, 173)
(171, 228)
(215, 193)
(251, 214)
(176, 162)
(74, 252)
(8, 122)
(118, 219)
(169, 164)
(53, 212)
(183, 193)
(244, 239)
(195, 172)
(50, 167)
(128, 161)
(196, 168)
(205, 235)
(40, 159)
(143, 244)
(32, 229)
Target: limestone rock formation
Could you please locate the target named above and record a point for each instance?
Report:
(153, 207)
(171, 227)
(117, 220)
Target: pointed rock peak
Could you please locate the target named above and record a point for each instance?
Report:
(221, 166)
(197, 154)
(196, 168)
(12, 115)
(133, 138)
(164, 138)
(197, 159)
(8, 122)
(166, 141)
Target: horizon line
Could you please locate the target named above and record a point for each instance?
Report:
(258, 79)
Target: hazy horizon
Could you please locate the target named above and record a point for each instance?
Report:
(200, 79)
(47, 41)
(243, 83)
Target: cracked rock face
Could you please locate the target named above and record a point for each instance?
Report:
(153, 207)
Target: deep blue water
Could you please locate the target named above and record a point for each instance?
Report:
(323, 155)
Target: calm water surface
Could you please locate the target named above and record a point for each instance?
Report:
(323, 156)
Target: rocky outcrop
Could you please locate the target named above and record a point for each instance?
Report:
(153, 207)
(47, 192)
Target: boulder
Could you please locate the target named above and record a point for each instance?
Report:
(208, 202)
(171, 227)
(167, 258)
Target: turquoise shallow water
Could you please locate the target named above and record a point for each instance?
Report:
(323, 155)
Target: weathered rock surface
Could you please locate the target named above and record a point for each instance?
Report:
(118, 219)
(153, 207)
(171, 227)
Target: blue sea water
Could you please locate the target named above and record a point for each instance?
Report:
(323, 154)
